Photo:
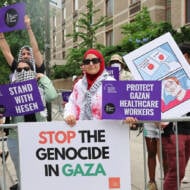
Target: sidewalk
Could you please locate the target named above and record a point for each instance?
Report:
(137, 165)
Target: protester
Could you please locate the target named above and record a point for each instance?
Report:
(117, 61)
(24, 72)
(85, 101)
(152, 138)
(124, 74)
(26, 52)
(169, 142)
(6, 164)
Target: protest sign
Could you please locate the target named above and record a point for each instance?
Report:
(62, 157)
(113, 71)
(140, 99)
(65, 95)
(161, 59)
(20, 98)
(12, 17)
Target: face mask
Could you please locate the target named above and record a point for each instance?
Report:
(116, 65)
(24, 75)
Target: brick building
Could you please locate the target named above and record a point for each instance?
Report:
(121, 11)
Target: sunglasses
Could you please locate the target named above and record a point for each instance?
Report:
(114, 61)
(24, 68)
(94, 61)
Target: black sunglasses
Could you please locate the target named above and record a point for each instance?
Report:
(114, 61)
(94, 61)
(24, 68)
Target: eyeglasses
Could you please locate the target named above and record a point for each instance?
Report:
(114, 61)
(94, 61)
(24, 68)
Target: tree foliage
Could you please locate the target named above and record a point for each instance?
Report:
(16, 39)
(85, 28)
(143, 30)
(84, 36)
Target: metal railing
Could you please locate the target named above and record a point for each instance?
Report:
(4, 185)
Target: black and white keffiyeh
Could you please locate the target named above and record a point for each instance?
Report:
(24, 75)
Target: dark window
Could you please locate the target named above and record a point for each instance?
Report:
(187, 11)
(109, 8)
(168, 10)
(109, 38)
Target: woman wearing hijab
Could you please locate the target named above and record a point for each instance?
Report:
(25, 71)
(85, 101)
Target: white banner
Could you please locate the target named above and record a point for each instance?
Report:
(91, 155)
(161, 59)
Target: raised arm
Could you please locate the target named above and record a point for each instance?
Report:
(37, 54)
(6, 49)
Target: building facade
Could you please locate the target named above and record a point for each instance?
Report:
(63, 20)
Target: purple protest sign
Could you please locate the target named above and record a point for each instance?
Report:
(65, 95)
(113, 71)
(140, 99)
(20, 98)
(12, 17)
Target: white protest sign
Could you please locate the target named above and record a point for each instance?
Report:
(91, 155)
(161, 59)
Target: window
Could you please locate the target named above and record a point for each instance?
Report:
(134, 1)
(54, 22)
(63, 13)
(168, 10)
(75, 5)
(109, 38)
(63, 38)
(75, 8)
(187, 11)
(109, 8)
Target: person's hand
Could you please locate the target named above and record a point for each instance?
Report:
(39, 75)
(2, 35)
(70, 120)
(164, 124)
(1, 119)
(27, 21)
(63, 104)
(130, 120)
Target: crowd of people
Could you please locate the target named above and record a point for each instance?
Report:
(85, 103)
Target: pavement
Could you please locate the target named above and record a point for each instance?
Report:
(139, 177)
(137, 154)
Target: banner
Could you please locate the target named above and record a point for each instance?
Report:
(140, 99)
(161, 59)
(65, 95)
(12, 17)
(20, 98)
(91, 155)
(113, 71)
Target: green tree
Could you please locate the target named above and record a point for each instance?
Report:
(85, 35)
(16, 39)
(84, 38)
(143, 30)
